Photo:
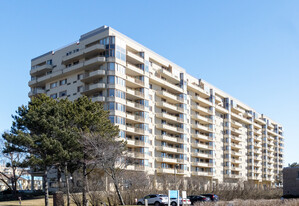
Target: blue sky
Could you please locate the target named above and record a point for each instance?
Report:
(249, 49)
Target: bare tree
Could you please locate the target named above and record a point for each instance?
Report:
(111, 156)
(12, 171)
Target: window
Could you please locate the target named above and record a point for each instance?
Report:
(63, 82)
(111, 79)
(111, 66)
(53, 85)
(80, 89)
(53, 96)
(62, 94)
(80, 76)
(49, 62)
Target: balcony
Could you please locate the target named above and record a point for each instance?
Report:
(221, 109)
(258, 145)
(133, 81)
(156, 78)
(94, 62)
(199, 89)
(236, 168)
(166, 159)
(201, 173)
(94, 48)
(134, 58)
(170, 128)
(134, 117)
(133, 70)
(237, 146)
(236, 161)
(73, 56)
(169, 117)
(236, 109)
(93, 88)
(236, 124)
(258, 132)
(271, 132)
(202, 110)
(139, 155)
(170, 149)
(172, 107)
(236, 138)
(202, 164)
(200, 145)
(134, 105)
(201, 118)
(168, 74)
(80, 53)
(90, 77)
(36, 91)
(171, 97)
(140, 168)
(260, 121)
(202, 100)
(131, 129)
(98, 99)
(235, 176)
(241, 118)
(167, 138)
(234, 153)
(203, 137)
(202, 127)
(203, 155)
(237, 131)
(270, 126)
(38, 70)
(135, 93)
(171, 171)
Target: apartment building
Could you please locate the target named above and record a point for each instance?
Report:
(173, 122)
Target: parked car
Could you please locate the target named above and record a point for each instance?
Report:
(173, 201)
(154, 199)
(198, 198)
(213, 197)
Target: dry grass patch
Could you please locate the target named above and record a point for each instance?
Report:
(34, 202)
(274, 202)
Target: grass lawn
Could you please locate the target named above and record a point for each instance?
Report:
(34, 202)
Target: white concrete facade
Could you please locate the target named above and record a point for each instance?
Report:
(173, 122)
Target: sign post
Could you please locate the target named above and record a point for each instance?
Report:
(175, 195)
(184, 197)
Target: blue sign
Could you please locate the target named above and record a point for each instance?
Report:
(173, 193)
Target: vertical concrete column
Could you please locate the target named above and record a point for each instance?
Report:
(251, 136)
(212, 126)
(227, 134)
(265, 150)
(187, 128)
(32, 183)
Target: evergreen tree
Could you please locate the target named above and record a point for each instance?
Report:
(32, 133)
(50, 133)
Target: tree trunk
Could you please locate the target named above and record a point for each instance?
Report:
(46, 187)
(14, 182)
(84, 184)
(67, 185)
(118, 194)
(59, 178)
